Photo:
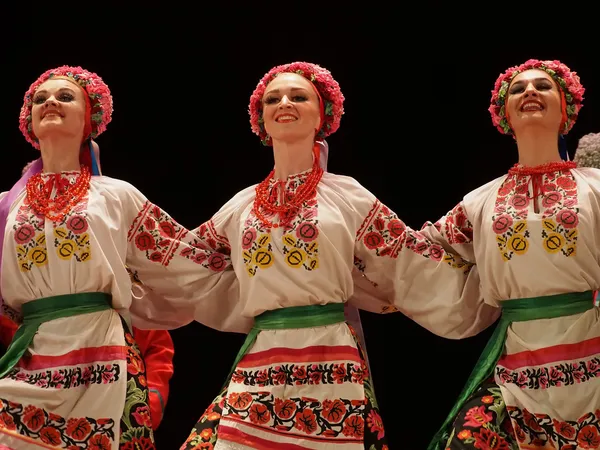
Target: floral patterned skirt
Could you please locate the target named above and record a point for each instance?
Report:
(483, 423)
(136, 422)
(25, 425)
(315, 395)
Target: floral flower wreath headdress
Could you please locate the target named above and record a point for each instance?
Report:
(331, 99)
(98, 99)
(567, 80)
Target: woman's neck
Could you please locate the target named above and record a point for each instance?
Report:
(537, 148)
(60, 155)
(292, 158)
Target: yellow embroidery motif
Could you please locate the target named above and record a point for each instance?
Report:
(300, 248)
(28, 233)
(457, 262)
(69, 244)
(299, 252)
(263, 254)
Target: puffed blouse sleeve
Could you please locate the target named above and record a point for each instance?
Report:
(429, 275)
(182, 275)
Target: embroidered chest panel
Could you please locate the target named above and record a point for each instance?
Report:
(298, 245)
(69, 237)
(554, 195)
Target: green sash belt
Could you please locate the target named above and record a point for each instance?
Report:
(518, 310)
(293, 317)
(46, 309)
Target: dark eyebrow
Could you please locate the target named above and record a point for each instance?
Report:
(520, 82)
(65, 88)
(276, 91)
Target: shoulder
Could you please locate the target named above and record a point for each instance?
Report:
(239, 200)
(489, 188)
(234, 207)
(244, 195)
(475, 200)
(115, 184)
(589, 176)
(340, 182)
(116, 188)
(344, 186)
(347, 193)
(590, 173)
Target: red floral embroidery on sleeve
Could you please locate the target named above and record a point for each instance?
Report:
(455, 226)
(385, 234)
(382, 231)
(156, 234)
(208, 248)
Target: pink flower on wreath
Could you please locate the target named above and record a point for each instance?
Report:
(328, 88)
(99, 96)
(567, 80)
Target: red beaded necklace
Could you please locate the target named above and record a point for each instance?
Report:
(554, 166)
(305, 191)
(39, 194)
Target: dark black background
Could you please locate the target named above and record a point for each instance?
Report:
(416, 133)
